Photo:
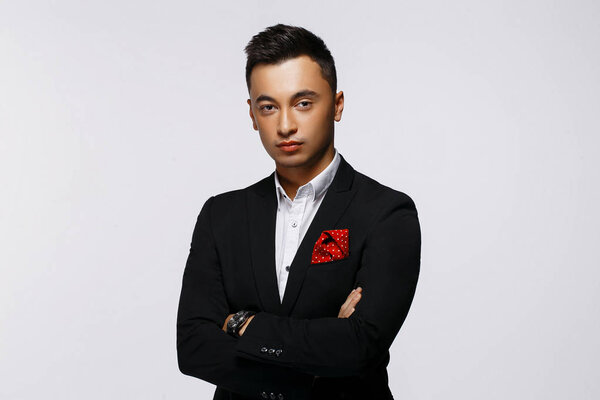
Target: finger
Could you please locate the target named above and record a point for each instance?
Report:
(347, 312)
(348, 307)
(353, 301)
(353, 295)
(344, 306)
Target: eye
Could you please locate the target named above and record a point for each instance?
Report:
(266, 107)
(304, 104)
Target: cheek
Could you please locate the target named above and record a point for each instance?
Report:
(265, 127)
(316, 125)
(268, 135)
(319, 116)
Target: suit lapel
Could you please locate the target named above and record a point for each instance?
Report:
(262, 214)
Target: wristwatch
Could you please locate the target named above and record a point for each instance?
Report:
(235, 323)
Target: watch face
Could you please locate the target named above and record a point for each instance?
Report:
(235, 320)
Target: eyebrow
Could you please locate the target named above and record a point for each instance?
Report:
(302, 93)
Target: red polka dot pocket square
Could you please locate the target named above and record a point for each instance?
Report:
(331, 245)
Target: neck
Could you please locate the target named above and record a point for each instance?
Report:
(291, 178)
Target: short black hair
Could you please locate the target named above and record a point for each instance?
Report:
(281, 42)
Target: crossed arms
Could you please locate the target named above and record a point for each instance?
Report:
(324, 347)
(346, 309)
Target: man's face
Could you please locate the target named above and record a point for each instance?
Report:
(291, 101)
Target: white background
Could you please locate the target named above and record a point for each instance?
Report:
(118, 119)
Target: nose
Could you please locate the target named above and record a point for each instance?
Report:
(287, 123)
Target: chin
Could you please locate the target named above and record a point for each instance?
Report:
(290, 161)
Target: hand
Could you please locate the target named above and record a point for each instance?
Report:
(348, 307)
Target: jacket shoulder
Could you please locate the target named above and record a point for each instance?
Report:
(227, 203)
(380, 195)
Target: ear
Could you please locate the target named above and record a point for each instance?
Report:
(252, 115)
(339, 105)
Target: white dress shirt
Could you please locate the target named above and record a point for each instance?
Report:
(294, 218)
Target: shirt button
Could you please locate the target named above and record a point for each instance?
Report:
(280, 396)
(264, 395)
(287, 268)
(264, 350)
(272, 396)
(271, 352)
(294, 224)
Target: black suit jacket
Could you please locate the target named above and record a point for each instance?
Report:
(231, 267)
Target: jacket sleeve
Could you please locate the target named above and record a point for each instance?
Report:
(204, 350)
(388, 274)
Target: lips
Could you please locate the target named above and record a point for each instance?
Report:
(290, 146)
(290, 143)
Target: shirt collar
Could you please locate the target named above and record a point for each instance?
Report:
(317, 185)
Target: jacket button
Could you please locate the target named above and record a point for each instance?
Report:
(278, 352)
(271, 352)
(264, 350)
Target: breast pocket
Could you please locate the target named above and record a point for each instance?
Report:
(327, 285)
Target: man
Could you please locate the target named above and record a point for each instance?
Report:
(296, 286)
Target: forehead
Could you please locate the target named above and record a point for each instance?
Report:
(286, 78)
